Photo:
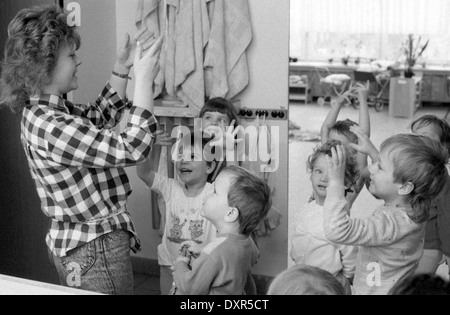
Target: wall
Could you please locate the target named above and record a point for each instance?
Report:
(23, 252)
(98, 47)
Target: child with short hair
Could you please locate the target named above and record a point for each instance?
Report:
(184, 200)
(437, 231)
(309, 246)
(408, 173)
(305, 280)
(76, 159)
(219, 116)
(239, 202)
(422, 284)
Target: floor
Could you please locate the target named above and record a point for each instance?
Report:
(309, 118)
(146, 284)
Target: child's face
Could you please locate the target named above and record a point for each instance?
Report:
(216, 205)
(382, 179)
(429, 131)
(192, 167)
(215, 119)
(319, 179)
(64, 78)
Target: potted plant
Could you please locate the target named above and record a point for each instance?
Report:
(412, 52)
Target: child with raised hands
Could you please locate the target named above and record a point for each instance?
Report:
(309, 246)
(184, 199)
(340, 130)
(407, 173)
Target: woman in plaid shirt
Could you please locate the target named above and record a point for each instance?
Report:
(77, 161)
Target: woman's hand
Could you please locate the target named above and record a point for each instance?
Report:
(147, 65)
(225, 135)
(125, 55)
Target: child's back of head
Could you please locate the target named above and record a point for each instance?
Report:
(250, 195)
(31, 52)
(341, 131)
(422, 284)
(419, 161)
(305, 280)
(433, 127)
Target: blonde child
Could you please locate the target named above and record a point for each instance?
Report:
(305, 280)
(76, 159)
(309, 245)
(239, 202)
(184, 201)
(408, 173)
(437, 231)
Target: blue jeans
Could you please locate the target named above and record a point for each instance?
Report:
(102, 266)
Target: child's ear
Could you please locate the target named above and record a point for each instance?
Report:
(406, 189)
(211, 167)
(232, 215)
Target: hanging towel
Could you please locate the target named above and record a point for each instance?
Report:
(172, 11)
(147, 15)
(151, 14)
(225, 57)
(192, 30)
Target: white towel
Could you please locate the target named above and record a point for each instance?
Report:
(225, 61)
(192, 29)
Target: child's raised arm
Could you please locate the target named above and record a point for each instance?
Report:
(364, 119)
(146, 173)
(330, 120)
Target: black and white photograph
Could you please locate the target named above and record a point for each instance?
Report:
(241, 149)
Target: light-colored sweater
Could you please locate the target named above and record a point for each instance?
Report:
(222, 268)
(391, 244)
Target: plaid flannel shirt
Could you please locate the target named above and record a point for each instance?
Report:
(77, 162)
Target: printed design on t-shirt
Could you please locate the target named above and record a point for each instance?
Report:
(196, 228)
(176, 232)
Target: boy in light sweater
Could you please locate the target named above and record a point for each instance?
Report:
(239, 202)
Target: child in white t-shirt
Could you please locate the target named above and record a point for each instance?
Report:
(184, 200)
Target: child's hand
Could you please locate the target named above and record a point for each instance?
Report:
(193, 247)
(163, 138)
(227, 133)
(364, 145)
(336, 166)
(125, 56)
(363, 91)
(183, 259)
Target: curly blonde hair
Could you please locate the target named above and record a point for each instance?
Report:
(352, 173)
(31, 52)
